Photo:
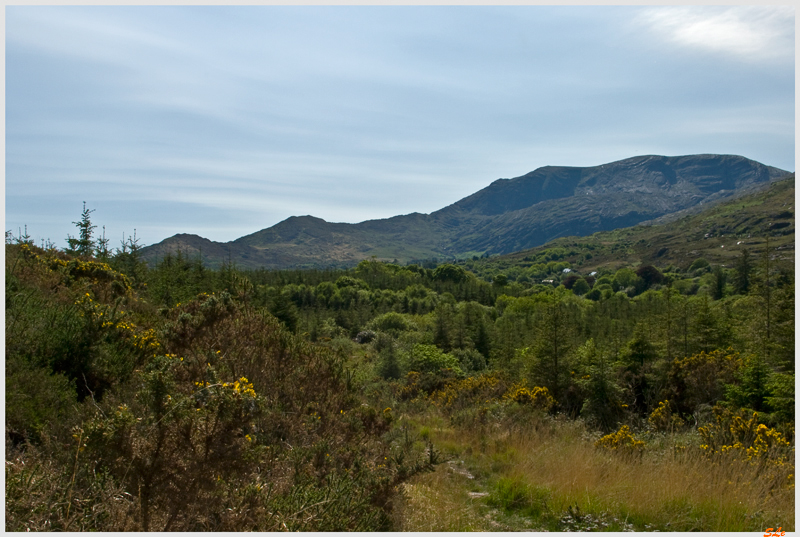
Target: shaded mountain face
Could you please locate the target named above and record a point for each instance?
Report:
(507, 216)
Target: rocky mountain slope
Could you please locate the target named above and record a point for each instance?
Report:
(507, 216)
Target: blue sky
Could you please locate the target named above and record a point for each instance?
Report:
(222, 121)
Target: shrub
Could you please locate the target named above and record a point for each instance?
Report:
(662, 418)
(430, 358)
(743, 438)
(701, 379)
(365, 336)
(469, 359)
(471, 391)
(622, 441)
(538, 397)
(449, 273)
(388, 365)
(699, 265)
(391, 322)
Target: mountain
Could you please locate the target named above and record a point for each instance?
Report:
(718, 234)
(507, 216)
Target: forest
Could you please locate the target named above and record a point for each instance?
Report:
(486, 394)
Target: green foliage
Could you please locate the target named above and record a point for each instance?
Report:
(391, 322)
(223, 399)
(500, 280)
(449, 273)
(751, 389)
(581, 287)
(389, 365)
(430, 359)
(623, 278)
(513, 494)
(469, 360)
(602, 404)
(698, 264)
(780, 398)
(718, 283)
(36, 402)
(744, 269)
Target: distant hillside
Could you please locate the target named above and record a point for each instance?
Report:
(507, 216)
(718, 234)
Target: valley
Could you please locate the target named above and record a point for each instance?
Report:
(632, 379)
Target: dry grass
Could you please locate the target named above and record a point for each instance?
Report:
(439, 501)
(684, 491)
(659, 490)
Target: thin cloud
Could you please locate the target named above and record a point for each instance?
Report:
(256, 113)
(747, 32)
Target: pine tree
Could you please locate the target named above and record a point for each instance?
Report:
(743, 270)
(718, 283)
(101, 251)
(127, 259)
(83, 245)
(554, 339)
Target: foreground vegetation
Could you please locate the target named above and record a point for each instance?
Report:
(439, 397)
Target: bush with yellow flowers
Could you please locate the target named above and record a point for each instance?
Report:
(476, 389)
(745, 438)
(174, 442)
(538, 397)
(741, 437)
(701, 379)
(100, 276)
(662, 418)
(621, 441)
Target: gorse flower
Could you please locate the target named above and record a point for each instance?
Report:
(538, 397)
(746, 439)
(662, 418)
(241, 387)
(622, 440)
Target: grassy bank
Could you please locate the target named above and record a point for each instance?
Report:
(548, 475)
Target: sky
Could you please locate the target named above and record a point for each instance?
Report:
(222, 121)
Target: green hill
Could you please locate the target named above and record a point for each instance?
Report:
(717, 234)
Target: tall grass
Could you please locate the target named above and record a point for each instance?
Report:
(439, 501)
(558, 466)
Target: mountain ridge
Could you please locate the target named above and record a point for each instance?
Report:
(506, 216)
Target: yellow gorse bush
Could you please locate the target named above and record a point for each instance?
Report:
(466, 391)
(238, 387)
(487, 389)
(96, 271)
(142, 340)
(622, 440)
(538, 397)
(662, 418)
(745, 439)
(145, 340)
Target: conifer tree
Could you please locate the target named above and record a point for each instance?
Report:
(101, 251)
(718, 283)
(554, 339)
(83, 245)
(743, 270)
